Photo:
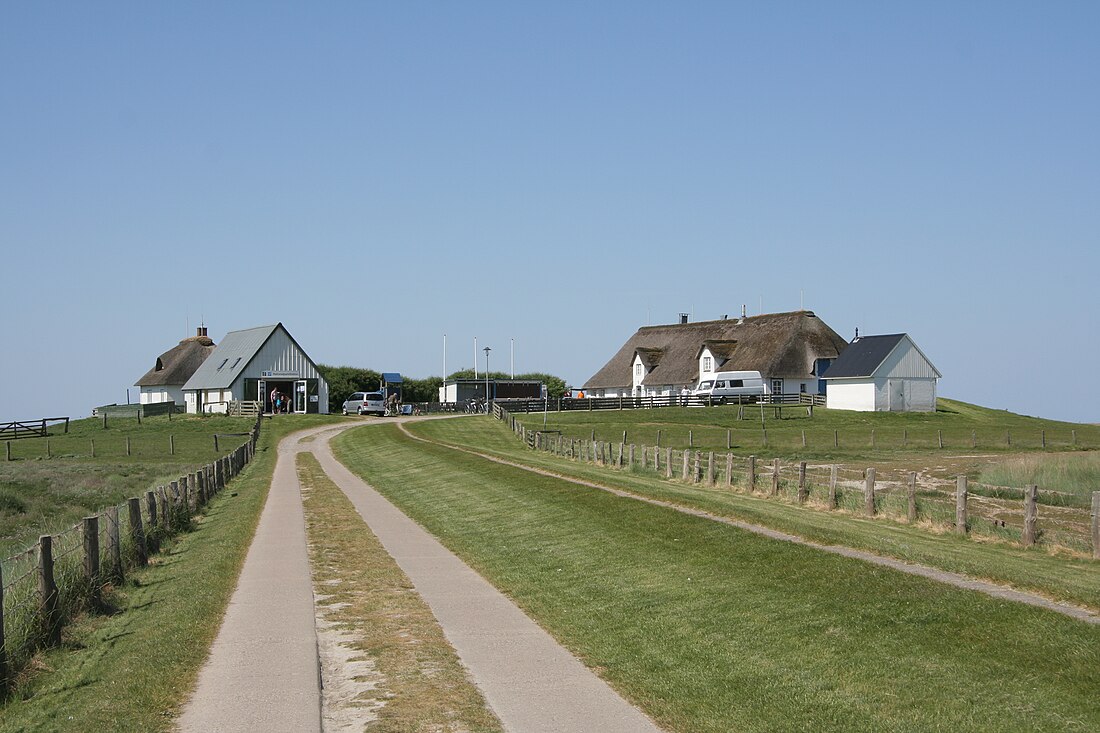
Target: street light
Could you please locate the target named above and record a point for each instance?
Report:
(486, 350)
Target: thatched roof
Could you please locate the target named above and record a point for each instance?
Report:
(774, 344)
(175, 366)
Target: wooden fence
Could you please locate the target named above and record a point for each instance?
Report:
(568, 404)
(959, 503)
(149, 409)
(30, 428)
(64, 574)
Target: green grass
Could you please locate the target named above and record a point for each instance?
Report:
(962, 426)
(1075, 474)
(43, 491)
(709, 628)
(1070, 579)
(133, 669)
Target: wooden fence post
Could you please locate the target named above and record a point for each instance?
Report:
(687, 464)
(47, 593)
(114, 545)
(105, 421)
(1008, 438)
(836, 438)
(905, 437)
(911, 513)
(960, 505)
(775, 477)
(49, 453)
(93, 447)
(7, 448)
(691, 439)
(127, 445)
(973, 438)
(869, 493)
(171, 444)
(658, 438)
(622, 449)
(729, 439)
(1031, 502)
(91, 559)
(939, 438)
(137, 532)
(3, 646)
(1096, 524)
(632, 455)
(151, 537)
(668, 462)
(1044, 437)
(1074, 433)
(872, 437)
(193, 493)
(729, 470)
(752, 473)
(803, 492)
(832, 486)
(803, 438)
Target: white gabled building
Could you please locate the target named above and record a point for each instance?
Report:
(882, 374)
(249, 365)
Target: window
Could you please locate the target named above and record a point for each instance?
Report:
(160, 366)
(777, 386)
(222, 364)
(638, 371)
(802, 388)
(238, 361)
(706, 363)
(737, 382)
(721, 383)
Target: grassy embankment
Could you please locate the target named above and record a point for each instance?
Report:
(410, 675)
(709, 628)
(1072, 579)
(44, 489)
(132, 670)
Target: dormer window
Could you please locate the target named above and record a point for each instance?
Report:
(706, 364)
(638, 371)
(159, 367)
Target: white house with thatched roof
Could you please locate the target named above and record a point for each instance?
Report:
(882, 373)
(790, 350)
(164, 382)
(251, 364)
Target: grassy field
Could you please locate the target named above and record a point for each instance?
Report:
(409, 675)
(43, 490)
(1071, 579)
(709, 628)
(132, 669)
(830, 434)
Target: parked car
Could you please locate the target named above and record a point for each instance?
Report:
(731, 386)
(365, 403)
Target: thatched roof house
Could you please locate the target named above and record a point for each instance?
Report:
(164, 382)
(790, 350)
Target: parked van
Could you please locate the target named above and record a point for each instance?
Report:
(731, 386)
(364, 403)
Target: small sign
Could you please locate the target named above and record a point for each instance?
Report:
(313, 398)
(291, 375)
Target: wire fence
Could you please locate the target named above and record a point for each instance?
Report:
(954, 505)
(47, 585)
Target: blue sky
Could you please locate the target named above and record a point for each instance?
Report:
(375, 175)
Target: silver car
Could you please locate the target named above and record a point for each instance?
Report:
(365, 403)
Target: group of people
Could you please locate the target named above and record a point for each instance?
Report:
(280, 403)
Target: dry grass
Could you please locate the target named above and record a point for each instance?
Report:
(405, 675)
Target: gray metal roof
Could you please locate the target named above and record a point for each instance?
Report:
(863, 356)
(230, 358)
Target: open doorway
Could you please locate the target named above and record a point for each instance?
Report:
(269, 389)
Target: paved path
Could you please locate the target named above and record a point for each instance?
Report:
(943, 576)
(263, 669)
(529, 680)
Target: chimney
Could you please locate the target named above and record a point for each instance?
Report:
(683, 318)
(857, 333)
(200, 331)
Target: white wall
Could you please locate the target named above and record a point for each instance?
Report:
(905, 361)
(152, 395)
(854, 394)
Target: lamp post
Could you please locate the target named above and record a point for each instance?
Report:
(486, 350)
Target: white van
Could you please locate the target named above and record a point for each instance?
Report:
(729, 386)
(365, 403)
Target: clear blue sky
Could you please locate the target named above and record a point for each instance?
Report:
(375, 175)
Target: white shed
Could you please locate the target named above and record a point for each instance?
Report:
(882, 373)
(250, 365)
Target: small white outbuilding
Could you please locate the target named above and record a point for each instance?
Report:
(882, 373)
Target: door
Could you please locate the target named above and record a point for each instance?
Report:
(896, 388)
(300, 396)
(261, 395)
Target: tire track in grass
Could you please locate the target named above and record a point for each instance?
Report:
(943, 576)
